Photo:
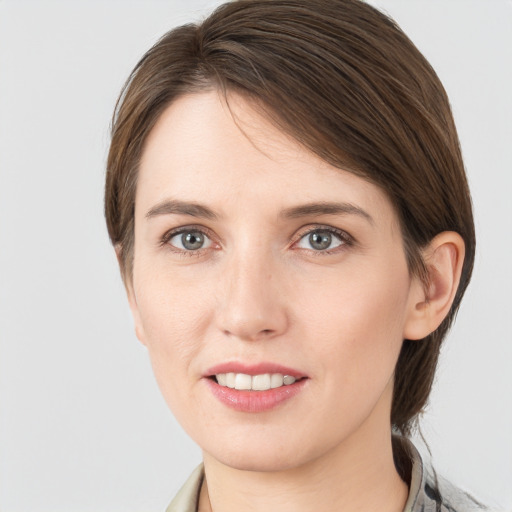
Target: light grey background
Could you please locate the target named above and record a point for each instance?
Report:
(82, 424)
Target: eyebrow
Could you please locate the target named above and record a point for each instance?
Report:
(173, 206)
(326, 208)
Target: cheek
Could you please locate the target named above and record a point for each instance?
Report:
(173, 316)
(356, 321)
(355, 333)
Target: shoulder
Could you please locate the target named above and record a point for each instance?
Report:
(451, 498)
(429, 492)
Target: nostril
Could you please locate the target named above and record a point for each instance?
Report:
(251, 320)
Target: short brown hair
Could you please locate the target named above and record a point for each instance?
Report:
(347, 83)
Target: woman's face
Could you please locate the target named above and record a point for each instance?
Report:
(257, 263)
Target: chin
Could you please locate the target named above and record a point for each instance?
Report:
(258, 462)
(266, 451)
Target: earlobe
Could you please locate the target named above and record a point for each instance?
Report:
(132, 299)
(430, 304)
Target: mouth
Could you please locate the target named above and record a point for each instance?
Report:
(260, 382)
(254, 388)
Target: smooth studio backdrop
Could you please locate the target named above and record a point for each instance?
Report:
(82, 423)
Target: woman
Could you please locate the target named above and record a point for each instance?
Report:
(288, 203)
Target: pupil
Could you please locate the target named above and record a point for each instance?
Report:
(193, 240)
(320, 240)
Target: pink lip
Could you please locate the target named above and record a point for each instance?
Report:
(254, 401)
(252, 369)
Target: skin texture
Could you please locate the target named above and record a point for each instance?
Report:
(257, 291)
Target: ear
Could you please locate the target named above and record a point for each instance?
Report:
(430, 304)
(132, 298)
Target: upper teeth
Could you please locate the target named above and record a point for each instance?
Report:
(241, 381)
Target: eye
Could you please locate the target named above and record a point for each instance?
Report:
(189, 240)
(322, 239)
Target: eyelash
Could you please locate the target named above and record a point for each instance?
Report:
(166, 238)
(345, 239)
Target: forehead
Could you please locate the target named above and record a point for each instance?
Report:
(205, 149)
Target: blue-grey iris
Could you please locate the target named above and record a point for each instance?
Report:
(320, 240)
(192, 240)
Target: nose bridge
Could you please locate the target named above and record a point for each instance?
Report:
(251, 306)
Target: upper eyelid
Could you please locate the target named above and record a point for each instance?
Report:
(183, 229)
(306, 230)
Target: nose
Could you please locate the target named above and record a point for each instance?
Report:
(252, 303)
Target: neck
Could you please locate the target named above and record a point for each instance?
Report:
(359, 474)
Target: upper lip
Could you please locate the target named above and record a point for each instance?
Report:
(253, 369)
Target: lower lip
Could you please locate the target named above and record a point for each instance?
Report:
(255, 401)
